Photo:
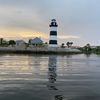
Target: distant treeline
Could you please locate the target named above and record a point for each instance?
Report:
(89, 49)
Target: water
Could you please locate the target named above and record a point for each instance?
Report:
(49, 77)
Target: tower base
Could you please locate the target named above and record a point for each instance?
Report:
(52, 45)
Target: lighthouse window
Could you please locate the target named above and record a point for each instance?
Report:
(53, 23)
(53, 42)
(53, 33)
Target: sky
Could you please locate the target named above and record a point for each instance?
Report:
(78, 20)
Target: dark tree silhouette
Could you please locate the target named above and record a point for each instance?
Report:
(29, 42)
(62, 45)
(1, 41)
(69, 44)
(12, 42)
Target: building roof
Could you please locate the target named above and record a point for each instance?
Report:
(36, 41)
(20, 41)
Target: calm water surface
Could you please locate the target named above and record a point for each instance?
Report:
(49, 77)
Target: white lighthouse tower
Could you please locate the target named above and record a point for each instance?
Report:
(53, 34)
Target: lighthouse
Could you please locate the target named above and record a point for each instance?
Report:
(53, 33)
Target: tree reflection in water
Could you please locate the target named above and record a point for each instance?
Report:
(52, 75)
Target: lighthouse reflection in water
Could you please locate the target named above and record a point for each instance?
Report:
(49, 77)
(52, 77)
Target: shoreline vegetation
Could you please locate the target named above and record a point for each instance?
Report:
(45, 49)
(36, 46)
(88, 49)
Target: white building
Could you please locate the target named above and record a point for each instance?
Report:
(20, 42)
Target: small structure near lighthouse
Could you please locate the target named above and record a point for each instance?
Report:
(53, 34)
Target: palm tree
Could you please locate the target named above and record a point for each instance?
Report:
(69, 44)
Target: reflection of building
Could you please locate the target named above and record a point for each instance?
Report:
(53, 33)
(52, 75)
(52, 72)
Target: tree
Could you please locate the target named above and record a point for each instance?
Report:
(46, 43)
(12, 42)
(87, 48)
(69, 44)
(97, 50)
(1, 41)
(88, 45)
(62, 45)
(29, 42)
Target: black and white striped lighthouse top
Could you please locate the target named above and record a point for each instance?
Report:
(53, 23)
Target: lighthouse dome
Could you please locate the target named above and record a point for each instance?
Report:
(53, 20)
(53, 23)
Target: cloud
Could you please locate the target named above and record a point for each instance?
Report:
(68, 37)
(21, 18)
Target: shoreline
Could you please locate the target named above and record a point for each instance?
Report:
(39, 50)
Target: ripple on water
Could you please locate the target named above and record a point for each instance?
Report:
(49, 77)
